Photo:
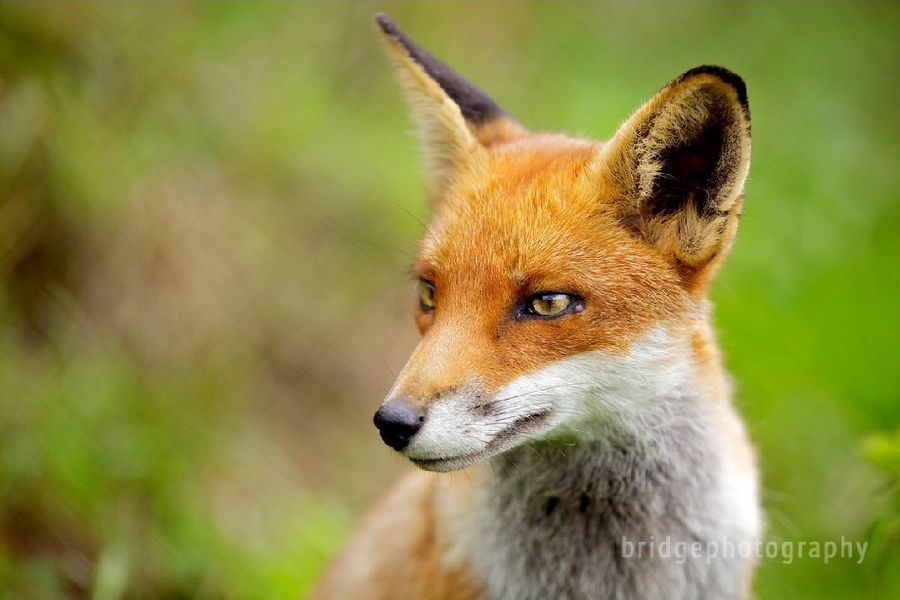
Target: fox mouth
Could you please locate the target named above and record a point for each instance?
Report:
(501, 442)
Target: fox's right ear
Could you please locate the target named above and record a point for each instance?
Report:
(456, 119)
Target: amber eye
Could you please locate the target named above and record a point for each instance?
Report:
(551, 304)
(426, 295)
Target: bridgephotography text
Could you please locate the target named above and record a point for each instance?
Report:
(785, 551)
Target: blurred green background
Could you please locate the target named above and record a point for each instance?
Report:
(206, 211)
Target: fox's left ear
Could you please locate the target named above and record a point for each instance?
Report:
(677, 167)
(456, 119)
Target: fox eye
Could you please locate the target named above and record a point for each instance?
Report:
(552, 304)
(426, 295)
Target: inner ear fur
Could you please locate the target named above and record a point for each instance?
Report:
(678, 165)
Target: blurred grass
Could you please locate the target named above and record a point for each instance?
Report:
(206, 211)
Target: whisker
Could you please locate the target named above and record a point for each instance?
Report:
(546, 389)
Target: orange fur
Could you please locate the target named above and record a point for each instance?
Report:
(399, 552)
(546, 228)
(517, 213)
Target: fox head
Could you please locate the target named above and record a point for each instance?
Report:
(562, 282)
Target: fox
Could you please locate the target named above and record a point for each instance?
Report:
(567, 406)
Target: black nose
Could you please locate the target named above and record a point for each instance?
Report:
(397, 421)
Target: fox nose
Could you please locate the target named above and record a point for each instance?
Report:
(397, 422)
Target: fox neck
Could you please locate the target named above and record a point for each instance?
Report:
(551, 517)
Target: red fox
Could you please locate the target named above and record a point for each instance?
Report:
(567, 364)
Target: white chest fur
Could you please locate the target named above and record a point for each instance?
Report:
(553, 519)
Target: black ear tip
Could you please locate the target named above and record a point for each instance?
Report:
(476, 106)
(729, 77)
(386, 24)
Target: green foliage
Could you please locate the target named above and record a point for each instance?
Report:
(883, 451)
(206, 211)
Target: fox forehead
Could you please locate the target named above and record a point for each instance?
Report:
(520, 208)
(532, 220)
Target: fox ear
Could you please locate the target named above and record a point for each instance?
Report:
(456, 119)
(678, 166)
